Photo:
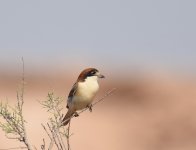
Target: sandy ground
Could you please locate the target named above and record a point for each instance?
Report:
(152, 112)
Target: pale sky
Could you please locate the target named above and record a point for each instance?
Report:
(109, 33)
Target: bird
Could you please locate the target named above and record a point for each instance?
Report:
(82, 93)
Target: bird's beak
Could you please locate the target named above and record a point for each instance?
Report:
(100, 75)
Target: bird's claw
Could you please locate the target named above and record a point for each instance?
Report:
(76, 114)
(90, 107)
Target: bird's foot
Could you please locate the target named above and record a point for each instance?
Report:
(90, 106)
(76, 114)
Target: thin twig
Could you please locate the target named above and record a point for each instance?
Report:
(68, 135)
(14, 138)
(11, 122)
(108, 93)
(60, 139)
(46, 131)
(43, 146)
(56, 135)
(51, 145)
(25, 139)
(53, 137)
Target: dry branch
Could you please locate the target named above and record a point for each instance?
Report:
(14, 120)
(108, 93)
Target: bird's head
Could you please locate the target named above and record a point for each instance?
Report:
(90, 73)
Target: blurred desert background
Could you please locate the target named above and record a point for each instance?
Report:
(146, 49)
(149, 111)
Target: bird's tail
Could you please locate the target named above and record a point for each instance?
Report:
(68, 117)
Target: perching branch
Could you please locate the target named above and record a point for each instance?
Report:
(108, 93)
(56, 132)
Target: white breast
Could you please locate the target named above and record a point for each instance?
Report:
(86, 92)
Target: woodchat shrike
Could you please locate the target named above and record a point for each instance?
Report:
(82, 93)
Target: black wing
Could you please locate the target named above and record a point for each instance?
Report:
(71, 94)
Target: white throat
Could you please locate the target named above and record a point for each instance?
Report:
(89, 87)
(91, 79)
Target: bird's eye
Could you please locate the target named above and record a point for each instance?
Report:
(93, 72)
